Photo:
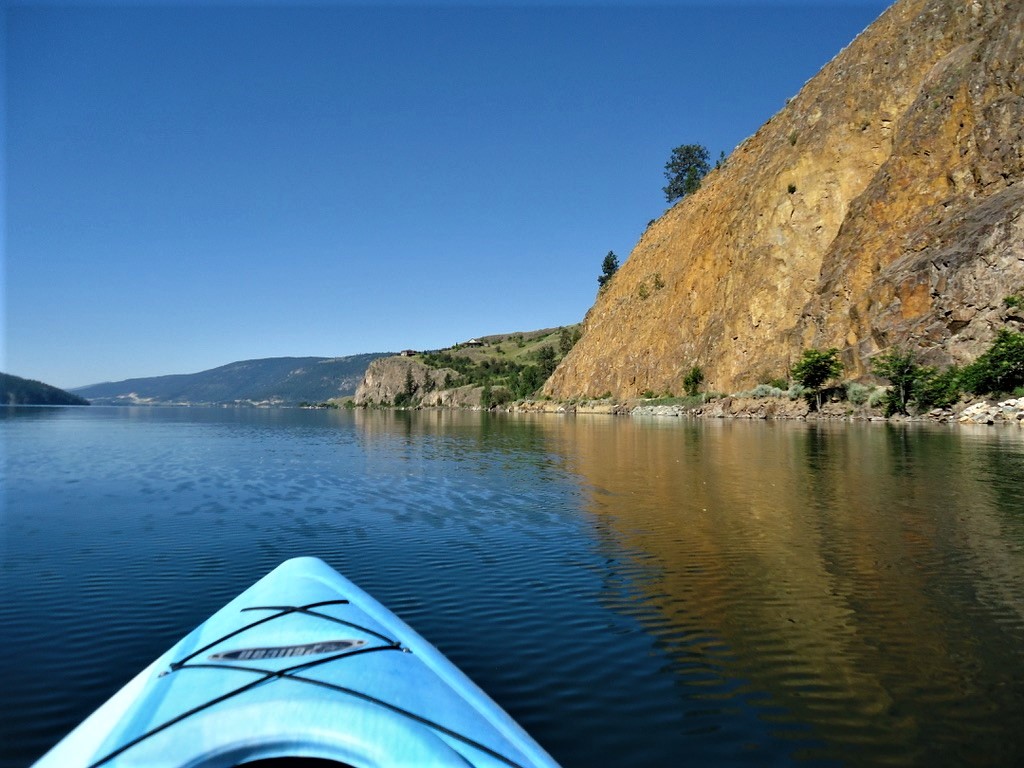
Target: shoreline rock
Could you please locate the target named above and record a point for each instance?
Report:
(1004, 412)
(978, 412)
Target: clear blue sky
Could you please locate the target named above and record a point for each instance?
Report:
(187, 185)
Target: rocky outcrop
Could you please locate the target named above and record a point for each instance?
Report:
(388, 378)
(468, 396)
(408, 382)
(1006, 412)
(881, 207)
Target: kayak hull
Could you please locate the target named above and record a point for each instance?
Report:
(301, 664)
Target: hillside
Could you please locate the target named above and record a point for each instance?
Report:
(15, 390)
(270, 381)
(882, 207)
(483, 371)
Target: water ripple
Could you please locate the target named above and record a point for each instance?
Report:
(633, 594)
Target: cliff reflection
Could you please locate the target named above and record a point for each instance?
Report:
(476, 430)
(861, 580)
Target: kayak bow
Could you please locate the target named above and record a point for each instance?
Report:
(303, 664)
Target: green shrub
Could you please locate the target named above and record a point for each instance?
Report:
(816, 367)
(693, 379)
(858, 394)
(500, 396)
(796, 391)
(923, 386)
(938, 389)
(891, 403)
(1000, 368)
(762, 391)
(491, 396)
(900, 367)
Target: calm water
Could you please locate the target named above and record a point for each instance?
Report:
(641, 593)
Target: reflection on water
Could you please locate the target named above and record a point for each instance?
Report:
(860, 585)
(643, 593)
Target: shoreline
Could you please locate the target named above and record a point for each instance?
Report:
(1008, 412)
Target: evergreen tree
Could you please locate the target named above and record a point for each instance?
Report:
(565, 342)
(694, 378)
(410, 384)
(684, 170)
(815, 368)
(546, 359)
(609, 267)
(902, 370)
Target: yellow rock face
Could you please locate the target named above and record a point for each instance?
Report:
(883, 206)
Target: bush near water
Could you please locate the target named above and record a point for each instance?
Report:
(914, 389)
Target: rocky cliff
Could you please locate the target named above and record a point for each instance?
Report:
(388, 379)
(881, 207)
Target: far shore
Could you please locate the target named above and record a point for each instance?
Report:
(1007, 411)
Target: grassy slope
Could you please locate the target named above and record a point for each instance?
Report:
(511, 361)
(519, 347)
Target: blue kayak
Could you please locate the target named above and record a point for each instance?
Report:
(303, 664)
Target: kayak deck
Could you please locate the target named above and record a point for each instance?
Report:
(303, 664)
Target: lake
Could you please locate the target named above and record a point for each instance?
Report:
(634, 592)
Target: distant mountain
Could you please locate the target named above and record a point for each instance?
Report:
(15, 390)
(270, 381)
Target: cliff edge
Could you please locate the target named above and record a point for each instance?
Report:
(881, 207)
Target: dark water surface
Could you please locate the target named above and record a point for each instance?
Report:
(636, 593)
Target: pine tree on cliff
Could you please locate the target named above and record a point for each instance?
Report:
(684, 170)
(609, 267)
(410, 384)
